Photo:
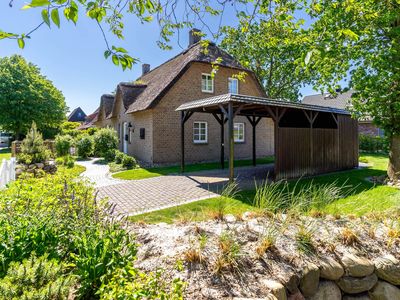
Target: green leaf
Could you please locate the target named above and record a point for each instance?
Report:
(107, 54)
(45, 16)
(21, 43)
(115, 60)
(350, 34)
(55, 17)
(4, 35)
(38, 3)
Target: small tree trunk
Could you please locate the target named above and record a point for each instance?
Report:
(394, 158)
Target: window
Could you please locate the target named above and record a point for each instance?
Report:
(200, 132)
(207, 83)
(233, 86)
(238, 132)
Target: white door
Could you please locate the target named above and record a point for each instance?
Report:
(125, 137)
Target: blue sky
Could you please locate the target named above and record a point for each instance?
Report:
(72, 56)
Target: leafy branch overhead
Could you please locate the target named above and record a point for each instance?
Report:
(111, 15)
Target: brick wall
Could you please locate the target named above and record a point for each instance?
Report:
(166, 125)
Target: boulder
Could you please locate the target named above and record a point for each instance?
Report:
(327, 290)
(309, 280)
(384, 291)
(330, 269)
(355, 285)
(296, 296)
(290, 281)
(388, 269)
(363, 296)
(276, 289)
(357, 266)
(39, 165)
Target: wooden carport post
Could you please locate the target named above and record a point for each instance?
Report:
(185, 115)
(231, 141)
(254, 121)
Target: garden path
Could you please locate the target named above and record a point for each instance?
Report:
(137, 196)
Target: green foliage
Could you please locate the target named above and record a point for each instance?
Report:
(59, 215)
(33, 149)
(85, 146)
(119, 157)
(67, 161)
(109, 155)
(63, 144)
(36, 278)
(70, 128)
(373, 143)
(129, 162)
(272, 48)
(27, 96)
(104, 140)
(130, 284)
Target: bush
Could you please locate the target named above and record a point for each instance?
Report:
(85, 146)
(67, 161)
(119, 157)
(129, 284)
(373, 143)
(110, 155)
(128, 162)
(70, 128)
(63, 144)
(35, 278)
(104, 140)
(33, 148)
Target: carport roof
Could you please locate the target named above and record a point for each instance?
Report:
(212, 103)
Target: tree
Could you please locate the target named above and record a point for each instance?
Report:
(361, 39)
(27, 96)
(272, 48)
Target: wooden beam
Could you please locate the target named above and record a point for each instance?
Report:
(231, 142)
(183, 116)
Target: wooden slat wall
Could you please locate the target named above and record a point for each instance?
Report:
(304, 151)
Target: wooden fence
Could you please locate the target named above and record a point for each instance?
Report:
(7, 171)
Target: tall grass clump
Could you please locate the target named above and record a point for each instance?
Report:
(281, 196)
(229, 191)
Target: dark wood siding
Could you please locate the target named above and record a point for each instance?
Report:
(306, 151)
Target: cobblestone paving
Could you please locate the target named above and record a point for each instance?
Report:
(138, 196)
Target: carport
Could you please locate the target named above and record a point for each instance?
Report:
(309, 139)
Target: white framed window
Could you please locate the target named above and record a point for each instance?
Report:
(238, 132)
(233, 85)
(207, 83)
(200, 132)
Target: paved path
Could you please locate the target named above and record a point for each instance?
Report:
(137, 196)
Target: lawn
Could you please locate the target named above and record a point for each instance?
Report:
(363, 196)
(5, 153)
(142, 173)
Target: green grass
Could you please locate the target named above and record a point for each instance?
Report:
(142, 173)
(76, 170)
(5, 153)
(364, 196)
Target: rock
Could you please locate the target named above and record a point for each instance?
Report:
(356, 266)
(327, 290)
(388, 269)
(355, 285)
(290, 281)
(276, 289)
(40, 165)
(310, 280)
(247, 215)
(296, 296)
(384, 291)
(18, 172)
(330, 269)
(32, 167)
(363, 296)
(230, 219)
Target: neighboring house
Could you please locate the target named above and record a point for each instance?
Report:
(88, 123)
(143, 112)
(77, 115)
(343, 101)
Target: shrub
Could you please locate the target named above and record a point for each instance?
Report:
(104, 140)
(59, 215)
(33, 147)
(70, 128)
(67, 161)
(119, 156)
(130, 284)
(129, 162)
(85, 146)
(373, 143)
(36, 278)
(63, 144)
(109, 155)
